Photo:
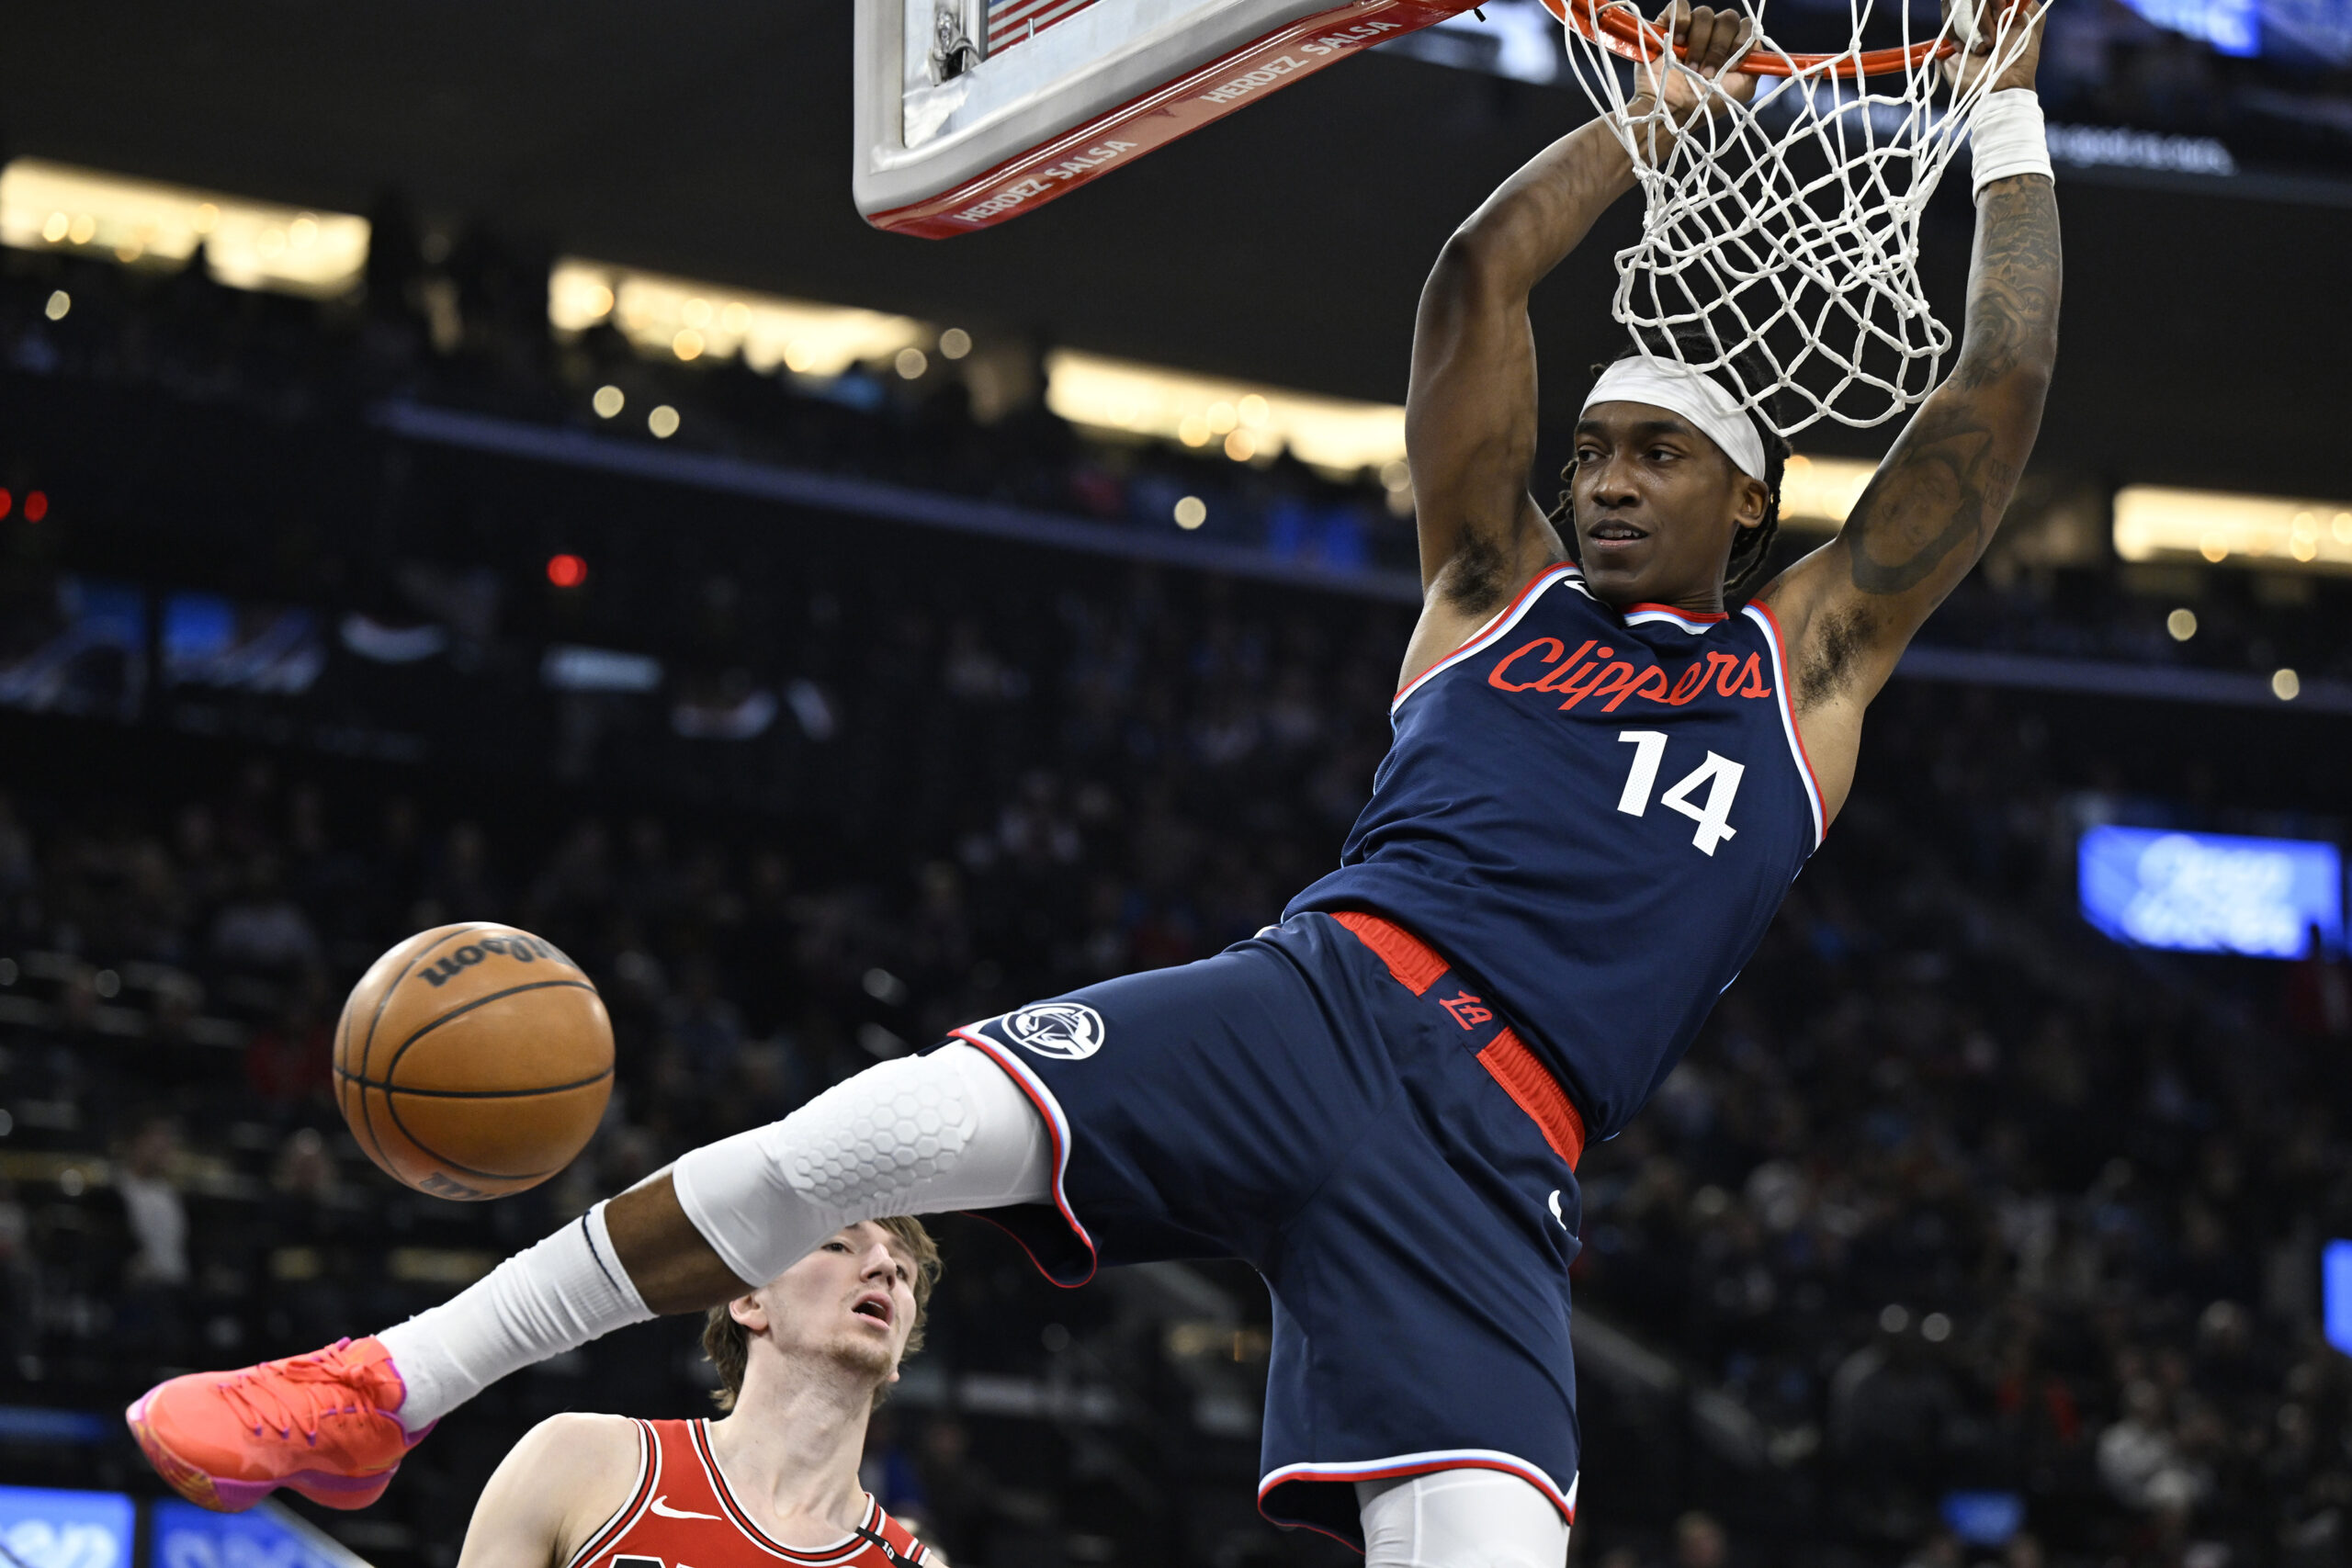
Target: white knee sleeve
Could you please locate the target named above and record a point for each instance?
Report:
(920, 1135)
(1459, 1518)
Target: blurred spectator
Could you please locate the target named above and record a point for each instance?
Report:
(1700, 1542)
(262, 928)
(150, 1201)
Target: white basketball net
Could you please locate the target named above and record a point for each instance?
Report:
(1789, 225)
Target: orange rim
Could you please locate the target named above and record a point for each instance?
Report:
(1620, 33)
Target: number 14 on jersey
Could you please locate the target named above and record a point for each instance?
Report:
(1719, 773)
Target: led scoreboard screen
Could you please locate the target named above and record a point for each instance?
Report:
(2212, 892)
(46, 1528)
(2307, 32)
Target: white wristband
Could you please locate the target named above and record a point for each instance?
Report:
(2006, 139)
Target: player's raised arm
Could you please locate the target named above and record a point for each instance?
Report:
(1851, 607)
(553, 1489)
(1470, 415)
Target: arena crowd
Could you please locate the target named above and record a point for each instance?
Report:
(456, 319)
(1953, 1200)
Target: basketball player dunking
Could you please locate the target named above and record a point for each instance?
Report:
(801, 1363)
(1600, 788)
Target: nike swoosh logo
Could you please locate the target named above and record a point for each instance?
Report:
(1555, 1214)
(662, 1506)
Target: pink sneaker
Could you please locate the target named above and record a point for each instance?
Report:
(320, 1423)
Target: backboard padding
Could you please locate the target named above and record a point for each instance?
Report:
(1097, 85)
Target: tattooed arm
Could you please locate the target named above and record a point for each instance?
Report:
(1851, 607)
(1470, 412)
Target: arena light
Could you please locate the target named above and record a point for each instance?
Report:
(247, 244)
(570, 667)
(690, 320)
(1332, 434)
(1820, 492)
(2152, 522)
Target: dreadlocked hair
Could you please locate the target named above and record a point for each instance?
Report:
(1752, 546)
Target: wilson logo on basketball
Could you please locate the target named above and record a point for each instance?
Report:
(1070, 1031)
(522, 949)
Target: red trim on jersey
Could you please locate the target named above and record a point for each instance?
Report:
(1671, 610)
(857, 1550)
(1415, 966)
(1495, 624)
(1057, 1129)
(1788, 712)
(649, 1474)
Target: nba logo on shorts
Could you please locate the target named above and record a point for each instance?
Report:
(1071, 1030)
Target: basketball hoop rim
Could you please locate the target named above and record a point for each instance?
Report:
(1611, 24)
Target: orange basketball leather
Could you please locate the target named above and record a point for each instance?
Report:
(473, 1060)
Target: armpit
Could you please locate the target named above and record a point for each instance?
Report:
(1831, 657)
(1477, 578)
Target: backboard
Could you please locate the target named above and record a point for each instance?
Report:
(970, 112)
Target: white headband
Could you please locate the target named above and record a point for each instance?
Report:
(1680, 390)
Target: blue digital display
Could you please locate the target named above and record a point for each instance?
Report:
(1983, 1518)
(212, 641)
(2311, 31)
(2211, 892)
(188, 1537)
(2335, 1293)
(2231, 26)
(43, 1528)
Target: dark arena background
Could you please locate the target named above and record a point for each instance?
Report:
(811, 631)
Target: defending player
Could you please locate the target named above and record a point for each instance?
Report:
(1600, 788)
(802, 1363)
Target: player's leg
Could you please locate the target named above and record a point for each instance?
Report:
(1420, 1303)
(1459, 1518)
(1215, 1105)
(927, 1135)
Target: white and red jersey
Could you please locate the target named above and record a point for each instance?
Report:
(680, 1512)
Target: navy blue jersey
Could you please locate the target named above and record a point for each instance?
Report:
(1595, 814)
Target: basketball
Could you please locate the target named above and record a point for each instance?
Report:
(473, 1060)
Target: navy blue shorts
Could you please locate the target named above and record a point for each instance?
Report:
(1363, 1131)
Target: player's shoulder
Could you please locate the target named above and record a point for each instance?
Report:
(555, 1489)
(584, 1454)
(589, 1430)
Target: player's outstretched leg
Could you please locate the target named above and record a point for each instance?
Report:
(926, 1134)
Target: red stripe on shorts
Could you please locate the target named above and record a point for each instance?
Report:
(1415, 963)
(1417, 966)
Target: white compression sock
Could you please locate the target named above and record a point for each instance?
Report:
(542, 1301)
(1459, 1518)
(919, 1136)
